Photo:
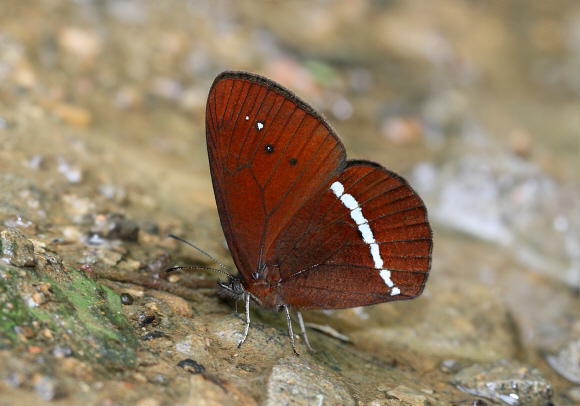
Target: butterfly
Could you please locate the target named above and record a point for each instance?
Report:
(306, 227)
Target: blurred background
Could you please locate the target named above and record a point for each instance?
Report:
(102, 110)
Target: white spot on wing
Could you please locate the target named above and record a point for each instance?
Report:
(386, 275)
(247, 118)
(337, 188)
(376, 254)
(349, 201)
(367, 233)
(358, 217)
(365, 229)
(260, 125)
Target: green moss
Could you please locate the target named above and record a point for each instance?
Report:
(82, 314)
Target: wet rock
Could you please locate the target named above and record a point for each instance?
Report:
(567, 361)
(505, 381)
(15, 248)
(294, 381)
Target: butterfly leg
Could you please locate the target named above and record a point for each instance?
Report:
(304, 330)
(247, 299)
(290, 333)
(237, 313)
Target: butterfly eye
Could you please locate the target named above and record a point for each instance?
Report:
(269, 149)
(237, 287)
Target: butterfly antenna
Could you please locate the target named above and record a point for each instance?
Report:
(177, 268)
(203, 252)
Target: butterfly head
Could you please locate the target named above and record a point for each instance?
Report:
(232, 287)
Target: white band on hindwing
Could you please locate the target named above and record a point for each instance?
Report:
(367, 233)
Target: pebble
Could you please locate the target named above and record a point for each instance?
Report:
(109, 258)
(15, 248)
(145, 319)
(191, 366)
(148, 402)
(71, 234)
(71, 173)
(451, 366)
(129, 265)
(89, 270)
(82, 43)
(408, 396)
(49, 264)
(175, 303)
(48, 388)
(126, 299)
(77, 368)
(61, 352)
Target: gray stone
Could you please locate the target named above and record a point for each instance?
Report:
(297, 382)
(505, 381)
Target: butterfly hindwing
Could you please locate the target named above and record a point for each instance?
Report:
(363, 239)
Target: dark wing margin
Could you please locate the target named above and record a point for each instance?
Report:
(269, 152)
(332, 257)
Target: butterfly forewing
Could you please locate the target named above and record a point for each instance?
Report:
(268, 152)
(365, 239)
